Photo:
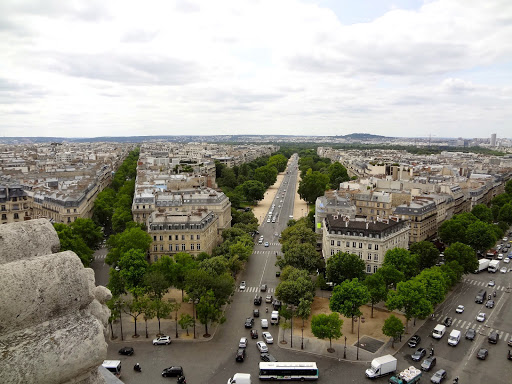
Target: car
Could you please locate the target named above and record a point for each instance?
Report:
(481, 317)
(459, 309)
(268, 220)
(276, 234)
(428, 363)
(267, 357)
(470, 334)
(267, 337)
(500, 256)
(489, 304)
(242, 286)
(503, 269)
(243, 342)
(257, 300)
(256, 313)
(414, 341)
(447, 321)
(162, 340)
(254, 334)
(418, 355)
(266, 244)
(128, 351)
(262, 347)
(438, 377)
(268, 299)
(493, 337)
(278, 273)
(263, 288)
(509, 343)
(491, 283)
(507, 260)
(264, 323)
(509, 355)
(482, 353)
(277, 305)
(173, 371)
(240, 354)
(249, 322)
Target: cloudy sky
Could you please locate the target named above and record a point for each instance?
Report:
(322, 67)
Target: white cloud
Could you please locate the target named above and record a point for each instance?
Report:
(168, 67)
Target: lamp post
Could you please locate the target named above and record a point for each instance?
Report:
(345, 349)
(358, 324)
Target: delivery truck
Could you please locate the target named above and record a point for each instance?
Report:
(240, 378)
(482, 265)
(494, 265)
(408, 376)
(381, 366)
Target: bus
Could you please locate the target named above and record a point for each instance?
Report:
(288, 371)
(113, 366)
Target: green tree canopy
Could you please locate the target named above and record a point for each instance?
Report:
(393, 327)
(131, 238)
(480, 236)
(403, 261)
(390, 275)
(337, 174)
(426, 252)
(208, 310)
(266, 175)
(299, 233)
(133, 266)
(344, 266)
(312, 186)
(483, 213)
(301, 256)
(298, 285)
(435, 283)
(88, 231)
(464, 255)
(253, 190)
(327, 327)
(348, 297)
(505, 213)
(278, 161)
(70, 241)
(377, 288)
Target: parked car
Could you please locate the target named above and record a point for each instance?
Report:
(459, 309)
(254, 334)
(128, 351)
(240, 354)
(447, 321)
(470, 334)
(262, 347)
(162, 340)
(414, 341)
(509, 355)
(172, 371)
(263, 288)
(278, 273)
(268, 299)
(267, 337)
(256, 313)
(428, 363)
(418, 355)
(509, 343)
(507, 260)
(438, 377)
(249, 322)
(489, 304)
(243, 342)
(481, 316)
(267, 357)
(482, 354)
(277, 305)
(242, 286)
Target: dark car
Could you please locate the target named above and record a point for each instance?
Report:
(493, 337)
(509, 355)
(418, 355)
(256, 313)
(278, 273)
(267, 357)
(258, 300)
(438, 377)
(254, 334)
(172, 371)
(447, 321)
(277, 305)
(414, 341)
(428, 363)
(126, 351)
(240, 354)
(249, 322)
(470, 334)
(489, 303)
(263, 288)
(482, 353)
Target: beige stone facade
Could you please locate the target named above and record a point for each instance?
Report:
(422, 216)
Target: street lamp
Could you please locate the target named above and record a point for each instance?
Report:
(358, 324)
(345, 349)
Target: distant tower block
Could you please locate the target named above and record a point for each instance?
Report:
(493, 139)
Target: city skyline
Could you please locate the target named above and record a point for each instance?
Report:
(405, 68)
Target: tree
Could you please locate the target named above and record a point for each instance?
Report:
(312, 186)
(135, 307)
(156, 283)
(69, 241)
(348, 297)
(327, 327)
(303, 312)
(452, 231)
(505, 214)
(464, 255)
(184, 264)
(148, 312)
(344, 266)
(296, 284)
(508, 187)
(483, 213)
(393, 327)
(133, 266)
(402, 260)
(208, 310)
(116, 283)
(278, 161)
(186, 321)
(300, 256)
(435, 284)
(298, 234)
(284, 326)
(104, 208)
(480, 236)
(228, 178)
(162, 309)
(253, 190)
(114, 313)
(175, 307)
(89, 232)
(391, 275)
(337, 175)
(266, 175)
(215, 265)
(376, 288)
(131, 238)
(426, 252)
(411, 298)
(120, 218)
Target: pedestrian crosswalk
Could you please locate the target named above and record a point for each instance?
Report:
(276, 243)
(99, 257)
(263, 252)
(485, 284)
(480, 328)
(256, 289)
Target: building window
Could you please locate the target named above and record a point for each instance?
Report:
(4, 216)
(3, 208)
(176, 237)
(369, 246)
(376, 247)
(155, 258)
(155, 248)
(198, 246)
(332, 252)
(182, 237)
(170, 247)
(368, 268)
(154, 238)
(348, 244)
(161, 237)
(191, 247)
(354, 244)
(375, 268)
(183, 247)
(198, 237)
(360, 245)
(177, 247)
(339, 243)
(369, 257)
(16, 216)
(332, 243)
(162, 248)
(375, 257)
(191, 237)
(170, 237)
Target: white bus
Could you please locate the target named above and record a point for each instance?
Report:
(113, 366)
(288, 371)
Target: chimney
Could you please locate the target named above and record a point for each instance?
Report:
(346, 224)
(367, 225)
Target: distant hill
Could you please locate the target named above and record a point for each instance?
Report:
(363, 136)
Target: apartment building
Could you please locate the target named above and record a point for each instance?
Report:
(370, 240)
(422, 215)
(335, 203)
(15, 204)
(373, 205)
(191, 232)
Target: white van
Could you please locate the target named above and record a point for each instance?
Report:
(274, 318)
(438, 331)
(264, 323)
(113, 366)
(240, 378)
(454, 338)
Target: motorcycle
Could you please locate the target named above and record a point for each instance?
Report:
(494, 293)
(182, 380)
(137, 368)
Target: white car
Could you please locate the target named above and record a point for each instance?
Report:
(481, 316)
(162, 340)
(500, 256)
(507, 260)
(460, 309)
(266, 244)
(268, 337)
(243, 343)
(503, 269)
(242, 286)
(262, 347)
(264, 323)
